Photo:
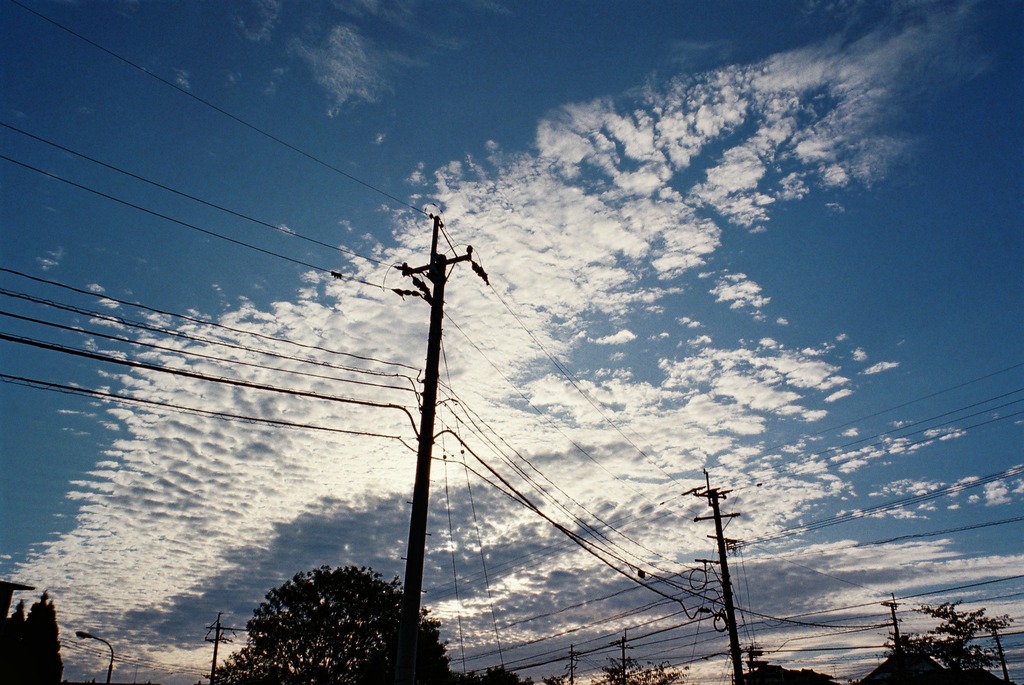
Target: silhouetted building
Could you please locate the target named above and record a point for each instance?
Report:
(6, 593)
(918, 669)
(768, 674)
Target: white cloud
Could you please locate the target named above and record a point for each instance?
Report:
(619, 338)
(838, 395)
(880, 367)
(740, 292)
(997, 493)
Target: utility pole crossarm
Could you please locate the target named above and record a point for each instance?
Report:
(712, 518)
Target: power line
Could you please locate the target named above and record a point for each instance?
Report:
(194, 354)
(787, 621)
(601, 636)
(589, 546)
(455, 572)
(895, 504)
(144, 662)
(189, 196)
(902, 428)
(966, 586)
(199, 376)
(518, 666)
(945, 531)
(940, 591)
(592, 624)
(901, 405)
(214, 324)
(186, 224)
(836, 461)
(217, 109)
(772, 617)
(473, 417)
(586, 453)
(575, 383)
(126, 399)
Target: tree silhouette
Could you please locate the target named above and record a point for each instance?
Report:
(493, 676)
(335, 626)
(952, 642)
(30, 648)
(632, 672)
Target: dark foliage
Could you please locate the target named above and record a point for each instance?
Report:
(332, 626)
(493, 676)
(633, 672)
(954, 642)
(30, 646)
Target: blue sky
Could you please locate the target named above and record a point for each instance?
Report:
(779, 243)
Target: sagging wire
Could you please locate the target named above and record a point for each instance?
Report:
(476, 522)
(455, 571)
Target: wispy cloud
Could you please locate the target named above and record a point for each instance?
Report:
(256, 19)
(51, 260)
(348, 65)
(181, 79)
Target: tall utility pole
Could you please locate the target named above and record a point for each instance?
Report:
(436, 272)
(218, 637)
(713, 495)
(572, 664)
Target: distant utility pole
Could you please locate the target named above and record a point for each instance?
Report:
(436, 272)
(896, 639)
(754, 652)
(572, 664)
(622, 643)
(218, 637)
(713, 495)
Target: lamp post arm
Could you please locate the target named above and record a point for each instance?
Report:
(81, 634)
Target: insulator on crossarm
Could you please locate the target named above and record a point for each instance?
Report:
(480, 272)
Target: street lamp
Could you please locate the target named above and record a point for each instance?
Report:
(82, 635)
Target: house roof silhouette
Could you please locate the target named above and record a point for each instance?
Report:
(918, 669)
